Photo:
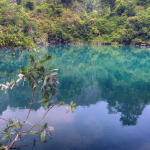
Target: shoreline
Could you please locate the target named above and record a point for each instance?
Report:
(80, 43)
(92, 43)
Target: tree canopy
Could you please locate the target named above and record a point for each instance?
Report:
(29, 22)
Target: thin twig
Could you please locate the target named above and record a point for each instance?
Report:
(40, 119)
(30, 107)
(18, 134)
(29, 123)
(4, 119)
(23, 145)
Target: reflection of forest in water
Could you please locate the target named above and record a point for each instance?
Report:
(89, 74)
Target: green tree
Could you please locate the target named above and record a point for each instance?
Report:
(30, 5)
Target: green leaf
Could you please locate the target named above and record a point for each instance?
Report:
(43, 100)
(33, 132)
(3, 148)
(45, 126)
(6, 129)
(7, 136)
(49, 57)
(46, 100)
(11, 84)
(42, 135)
(60, 103)
(34, 86)
(46, 104)
(16, 119)
(23, 69)
(73, 105)
(18, 125)
(41, 69)
(42, 61)
(46, 94)
(11, 125)
(45, 81)
(31, 58)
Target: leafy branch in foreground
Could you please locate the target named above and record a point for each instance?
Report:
(37, 76)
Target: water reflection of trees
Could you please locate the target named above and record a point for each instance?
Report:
(118, 75)
(128, 100)
(18, 97)
(87, 75)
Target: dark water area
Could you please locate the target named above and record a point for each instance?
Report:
(110, 85)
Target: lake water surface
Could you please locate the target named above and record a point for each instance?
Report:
(110, 85)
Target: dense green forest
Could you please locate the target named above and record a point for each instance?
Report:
(25, 23)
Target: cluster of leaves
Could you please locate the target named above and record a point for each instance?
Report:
(66, 21)
(38, 75)
(40, 78)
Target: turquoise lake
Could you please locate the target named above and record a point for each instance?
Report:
(109, 84)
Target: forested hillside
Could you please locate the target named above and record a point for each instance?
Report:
(25, 23)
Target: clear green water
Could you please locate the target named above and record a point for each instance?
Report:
(110, 85)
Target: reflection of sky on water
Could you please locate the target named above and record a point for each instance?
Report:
(89, 128)
(63, 117)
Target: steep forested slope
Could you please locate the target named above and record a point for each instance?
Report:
(26, 22)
